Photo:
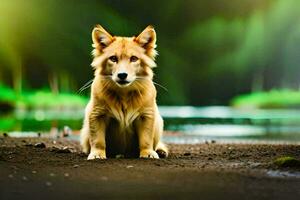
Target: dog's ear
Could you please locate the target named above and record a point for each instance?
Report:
(147, 40)
(101, 38)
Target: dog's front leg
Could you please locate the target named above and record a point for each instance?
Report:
(145, 132)
(97, 128)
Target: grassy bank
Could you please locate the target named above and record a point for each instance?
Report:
(269, 99)
(40, 99)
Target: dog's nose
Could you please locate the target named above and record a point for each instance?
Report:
(122, 76)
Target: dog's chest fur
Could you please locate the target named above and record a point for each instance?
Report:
(124, 109)
(121, 135)
(124, 116)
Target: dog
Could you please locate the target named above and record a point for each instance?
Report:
(122, 116)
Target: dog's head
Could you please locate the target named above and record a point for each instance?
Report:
(124, 60)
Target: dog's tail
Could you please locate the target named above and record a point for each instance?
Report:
(84, 140)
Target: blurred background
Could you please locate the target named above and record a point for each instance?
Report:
(230, 69)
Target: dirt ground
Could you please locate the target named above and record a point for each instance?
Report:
(41, 168)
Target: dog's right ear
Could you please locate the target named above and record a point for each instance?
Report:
(101, 38)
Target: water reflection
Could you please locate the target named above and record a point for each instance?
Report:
(191, 124)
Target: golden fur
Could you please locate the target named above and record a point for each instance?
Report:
(122, 116)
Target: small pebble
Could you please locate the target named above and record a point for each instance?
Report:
(119, 156)
(254, 165)
(187, 154)
(40, 145)
(52, 174)
(231, 157)
(54, 149)
(209, 158)
(75, 166)
(213, 141)
(34, 172)
(66, 174)
(129, 166)
(10, 176)
(14, 167)
(48, 183)
(64, 150)
(24, 178)
(66, 131)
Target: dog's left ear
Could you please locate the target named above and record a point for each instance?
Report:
(147, 40)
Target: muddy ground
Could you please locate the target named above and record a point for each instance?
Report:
(41, 168)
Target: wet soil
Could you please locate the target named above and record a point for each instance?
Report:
(42, 168)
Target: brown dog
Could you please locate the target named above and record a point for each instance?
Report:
(122, 116)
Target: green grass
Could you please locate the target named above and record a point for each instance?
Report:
(41, 99)
(271, 99)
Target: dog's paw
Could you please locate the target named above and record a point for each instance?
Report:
(148, 154)
(96, 155)
(162, 150)
(162, 153)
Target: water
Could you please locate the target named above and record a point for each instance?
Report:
(228, 124)
(184, 124)
(282, 174)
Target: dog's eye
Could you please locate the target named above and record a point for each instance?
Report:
(113, 58)
(133, 59)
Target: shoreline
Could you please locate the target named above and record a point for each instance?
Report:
(34, 168)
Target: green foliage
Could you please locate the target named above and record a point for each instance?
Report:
(272, 99)
(7, 94)
(42, 99)
(7, 123)
(45, 99)
(287, 161)
(200, 43)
